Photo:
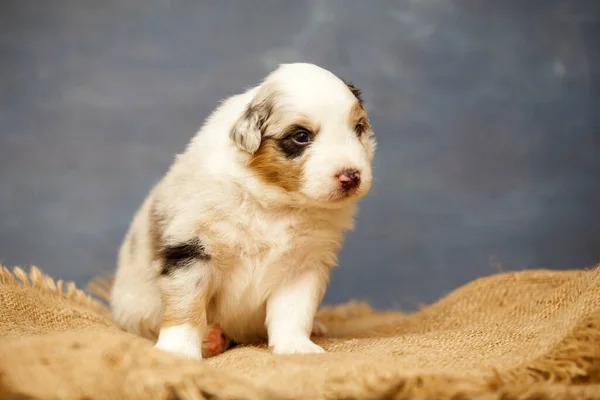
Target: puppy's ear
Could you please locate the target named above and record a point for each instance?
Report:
(356, 92)
(248, 130)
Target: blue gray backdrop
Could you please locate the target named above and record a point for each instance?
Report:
(487, 115)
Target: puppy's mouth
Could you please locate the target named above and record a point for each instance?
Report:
(341, 194)
(348, 192)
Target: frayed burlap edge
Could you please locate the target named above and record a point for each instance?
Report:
(574, 360)
(37, 280)
(148, 375)
(571, 370)
(99, 288)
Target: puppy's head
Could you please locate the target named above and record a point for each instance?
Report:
(308, 134)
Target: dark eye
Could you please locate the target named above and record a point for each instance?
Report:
(301, 137)
(359, 128)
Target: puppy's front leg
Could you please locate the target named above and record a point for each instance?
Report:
(184, 283)
(290, 314)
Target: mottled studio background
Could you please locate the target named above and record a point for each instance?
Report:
(487, 115)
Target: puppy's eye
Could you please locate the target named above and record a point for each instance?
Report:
(301, 137)
(359, 129)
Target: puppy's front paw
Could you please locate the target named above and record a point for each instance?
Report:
(183, 349)
(181, 340)
(295, 345)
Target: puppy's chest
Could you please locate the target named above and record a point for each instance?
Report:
(252, 256)
(254, 241)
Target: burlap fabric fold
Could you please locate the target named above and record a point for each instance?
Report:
(524, 335)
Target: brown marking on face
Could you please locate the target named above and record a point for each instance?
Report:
(271, 165)
(358, 120)
(279, 161)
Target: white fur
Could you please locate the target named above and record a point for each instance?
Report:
(271, 250)
(181, 339)
(290, 313)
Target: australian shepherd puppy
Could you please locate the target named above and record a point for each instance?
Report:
(246, 225)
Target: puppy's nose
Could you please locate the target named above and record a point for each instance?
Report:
(349, 178)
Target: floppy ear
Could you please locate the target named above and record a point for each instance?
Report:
(248, 130)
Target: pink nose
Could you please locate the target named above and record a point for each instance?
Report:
(349, 178)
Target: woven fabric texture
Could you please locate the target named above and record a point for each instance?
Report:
(521, 335)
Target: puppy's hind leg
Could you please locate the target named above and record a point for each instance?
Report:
(184, 283)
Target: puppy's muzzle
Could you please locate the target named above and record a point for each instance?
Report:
(349, 180)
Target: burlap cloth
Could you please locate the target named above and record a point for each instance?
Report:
(525, 335)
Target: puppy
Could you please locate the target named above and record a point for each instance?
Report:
(246, 225)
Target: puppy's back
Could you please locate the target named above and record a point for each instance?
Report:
(135, 295)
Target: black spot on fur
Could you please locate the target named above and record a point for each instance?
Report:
(356, 92)
(182, 255)
(289, 147)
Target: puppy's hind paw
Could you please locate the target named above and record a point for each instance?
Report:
(215, 342)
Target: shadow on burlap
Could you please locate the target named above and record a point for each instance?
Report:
(525, 335)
